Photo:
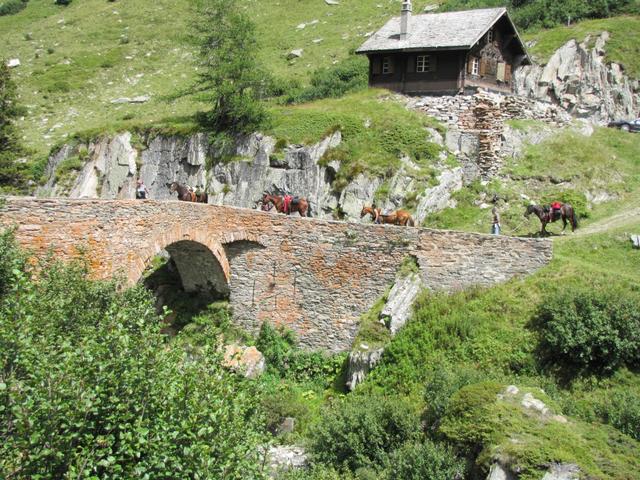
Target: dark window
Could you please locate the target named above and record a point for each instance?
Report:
(387, 66)
(423, 63)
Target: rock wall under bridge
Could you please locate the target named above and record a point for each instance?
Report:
(316, 277)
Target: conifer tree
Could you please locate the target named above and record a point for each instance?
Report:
(229, 79)
(10, 146)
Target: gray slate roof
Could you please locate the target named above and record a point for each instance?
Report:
(435, 30)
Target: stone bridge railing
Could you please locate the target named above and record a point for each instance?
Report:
(316, 277)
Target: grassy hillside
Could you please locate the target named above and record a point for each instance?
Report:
(568, 166)
(77, 59)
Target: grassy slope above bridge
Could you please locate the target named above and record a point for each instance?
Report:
(76, 59)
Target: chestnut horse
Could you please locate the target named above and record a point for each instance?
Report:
(298, 204)
(546, 215)
(187, 195)
(399, 217)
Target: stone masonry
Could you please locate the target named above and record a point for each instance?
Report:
(316, 277)
(475, 123)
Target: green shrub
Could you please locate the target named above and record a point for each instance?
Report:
(11, 7)
(331, 82)
(590, 331)
(90, 388)
(12, 262)
(360, 432)
(286, 360)
(622, 410)
(425, 461)
(445, 380)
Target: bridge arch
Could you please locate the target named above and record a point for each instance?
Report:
(200, 259)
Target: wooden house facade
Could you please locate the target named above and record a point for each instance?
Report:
(445, 53)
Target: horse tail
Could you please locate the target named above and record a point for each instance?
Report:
(411, 222)
(574, 219)
(308, 209)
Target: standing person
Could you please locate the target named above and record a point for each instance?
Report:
(141, 190)
(495, 228)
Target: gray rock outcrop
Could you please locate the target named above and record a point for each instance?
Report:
(578, 78)
(499, 472)
(286, 457)
(360, 364)
(295, 169)
(562, 471)
(400, 301)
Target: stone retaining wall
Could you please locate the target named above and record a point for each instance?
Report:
(316, 277)
(475, 123)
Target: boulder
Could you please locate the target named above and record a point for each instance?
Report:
(286, 457)
(13, 62)
(247, 361)
(297, 53)
(499, 472)
(635, 241)
(361, 363)
(287, 425)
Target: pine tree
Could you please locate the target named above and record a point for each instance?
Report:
(10, 146)
(229, 77)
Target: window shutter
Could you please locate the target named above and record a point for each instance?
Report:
(483, 66)
(392, 65)
(411, 64)
(501, 74)
(507, 73)
(433, 66)
(376, 65)
(470, 65)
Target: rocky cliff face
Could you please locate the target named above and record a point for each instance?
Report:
(111, 167)
(578, 78)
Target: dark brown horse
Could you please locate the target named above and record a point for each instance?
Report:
(297, 204)
(187, 195)
(399, 217)
(547, 215)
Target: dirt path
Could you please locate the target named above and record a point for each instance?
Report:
(618, 220)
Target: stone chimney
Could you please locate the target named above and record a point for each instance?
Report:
(405, 16)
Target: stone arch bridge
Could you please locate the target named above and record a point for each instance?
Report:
(316, 277)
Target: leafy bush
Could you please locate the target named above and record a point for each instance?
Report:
(360, 432)
(90, 388)
(331, 82)
(443, 381)
(622, 410)
(590, 331)
(12, 260)
(285, 359)
(10, 7)
(425, 461)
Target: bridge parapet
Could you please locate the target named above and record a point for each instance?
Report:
(316, 277)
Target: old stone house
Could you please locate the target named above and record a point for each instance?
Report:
(445, 53)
